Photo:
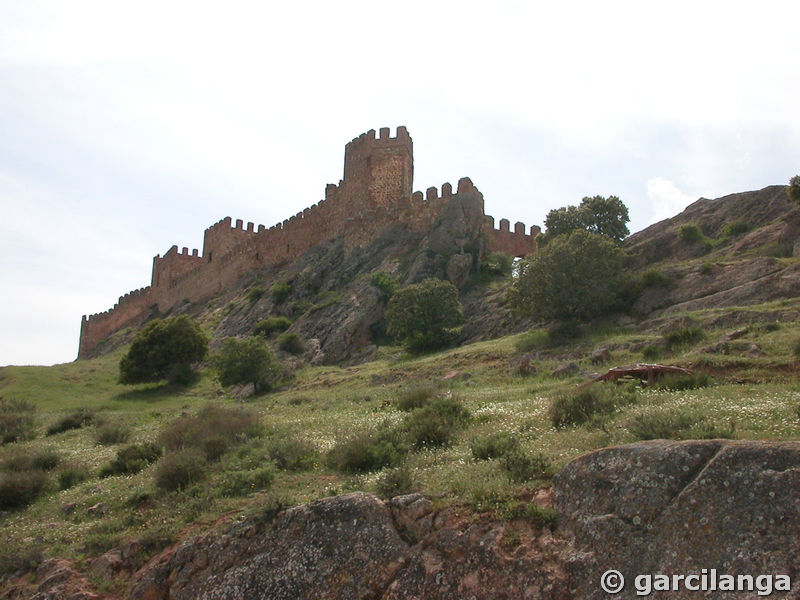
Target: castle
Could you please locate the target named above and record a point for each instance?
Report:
(375, 193)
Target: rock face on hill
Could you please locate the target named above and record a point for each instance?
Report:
(654, 507)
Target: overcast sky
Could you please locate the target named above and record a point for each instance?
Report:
(128, 127)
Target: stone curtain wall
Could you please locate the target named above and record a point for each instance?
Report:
(376, 193)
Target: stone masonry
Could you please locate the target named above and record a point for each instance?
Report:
(375, 193)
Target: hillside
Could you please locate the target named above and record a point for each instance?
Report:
(491, 435)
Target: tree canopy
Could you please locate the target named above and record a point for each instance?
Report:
(574, 277)
(245, 361)
(425, 315)
(164, 349)
(598, 214)
(794, 190)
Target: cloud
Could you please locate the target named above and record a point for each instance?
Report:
(667, 199)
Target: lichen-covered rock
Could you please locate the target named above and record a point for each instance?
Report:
(680, 507)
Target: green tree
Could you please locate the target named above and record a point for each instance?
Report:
(245, 361)
(164, 349)
(575, 277)
(794, 190)
(425, 315)
(598, 214)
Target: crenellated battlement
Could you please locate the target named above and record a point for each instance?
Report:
(375, 194)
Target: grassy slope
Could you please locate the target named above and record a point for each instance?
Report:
(324, 402)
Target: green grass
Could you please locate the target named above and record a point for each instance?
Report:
(305, 420)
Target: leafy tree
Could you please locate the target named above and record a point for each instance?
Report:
(604, 216)
(164, 349)
(425, 315)
(794, 190)
(247, 360)
(575, 277)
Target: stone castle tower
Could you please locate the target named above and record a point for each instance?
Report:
(374, 194)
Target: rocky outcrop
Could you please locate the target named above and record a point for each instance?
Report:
(654, 507)
(680, 507)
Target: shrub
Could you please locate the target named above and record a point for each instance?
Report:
(677, 381)
(532, 340)
(291, 343)
(254, 294)
(395, 482)
(20, 488)
(651, 352)
(576, 408)
(280, 290)
(655, 278)
(368, 450)
(230, 425)
(414, 397)
(164, 349)
(131, 459)
(683, 337)
(292, 454)
(435, 425)
(793, 191)
(109, 433)
(385, 283)
(522, 467)
(691, 233)
(425, 315)
(735, 228)
(497, 263)
(494, 445)
(676, 424)
(272, 325)
(178, 470)
(241, 483)
(533, 513)
(71, 475)
(74, 420)
(16, 420)
(577, 276)
(563, 332)
(40, 459)
(248, 360)
(706, 268)
(14, 560)
(796, 349)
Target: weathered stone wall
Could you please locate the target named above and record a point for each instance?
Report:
(376, 193)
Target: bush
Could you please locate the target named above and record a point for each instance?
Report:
(368, 450)
(16, 420)
(40, 459)
(280, 290)
(272, 325)
(793, 191)
(735, 228)
(575, 277)
(651, 352)
(415, 397)
(164, 349)
(74, 420)
(425, 315)
(385, 284)
(254, 294)
(796, 349)
(249, 360)
(677, 425)
(395, 482)
(292, 454)
(131, 459)
(706, 268)
(210, 428)
(532, 340)
(291, 343)
(494, 445)
(241, 483)
(577, 408)
(522, 467)
(20, 488)
(691, 233)
(435, 424)
(178, 470)
(655, 278)
(677, 381)
(71, 475)
(14, 560)
(497, 264)
(109, 433)
(684, 337)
